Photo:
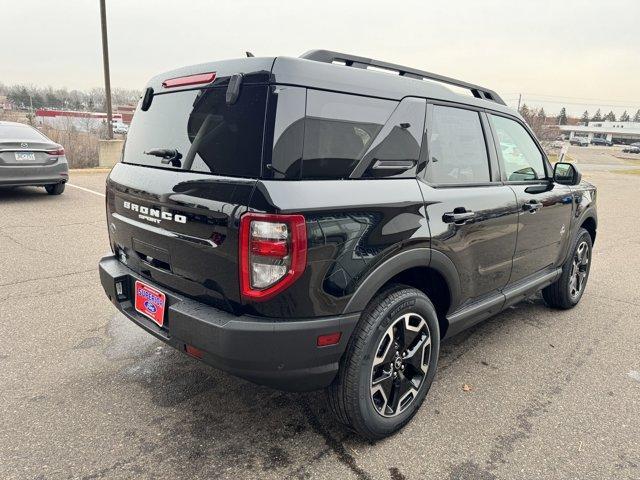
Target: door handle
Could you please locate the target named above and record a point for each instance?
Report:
(532, 206)
(459, 216)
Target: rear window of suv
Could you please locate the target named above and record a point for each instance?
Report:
(209, 135)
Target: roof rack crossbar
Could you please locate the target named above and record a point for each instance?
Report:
(327, 56)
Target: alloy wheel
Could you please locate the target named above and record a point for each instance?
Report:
(579, 270)
(400, 364)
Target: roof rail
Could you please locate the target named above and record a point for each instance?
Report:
(327, 56)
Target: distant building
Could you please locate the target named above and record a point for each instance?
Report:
(126, 111)
(82, 121)
(617, 132)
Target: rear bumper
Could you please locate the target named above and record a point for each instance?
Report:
(17, 175)
(280, 353)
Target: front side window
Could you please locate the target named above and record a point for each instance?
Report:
(457, 150)
(521, 158)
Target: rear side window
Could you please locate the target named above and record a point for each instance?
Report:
(457, 149)
(521, 157)
(339, 129)
(209, 135)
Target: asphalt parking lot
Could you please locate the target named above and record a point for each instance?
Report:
(85, 394)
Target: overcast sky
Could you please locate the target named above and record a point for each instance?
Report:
(579, 53)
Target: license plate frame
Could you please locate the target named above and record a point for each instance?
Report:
(25, 156)
(150, 302)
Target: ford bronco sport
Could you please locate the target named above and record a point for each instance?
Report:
(325, 221)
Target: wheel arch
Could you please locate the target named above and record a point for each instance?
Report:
(590, 224)
(430, 271)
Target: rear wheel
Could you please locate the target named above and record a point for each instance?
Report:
(389, 364)
(567, 291)
(54, 189)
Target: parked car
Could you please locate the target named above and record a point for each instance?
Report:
(306, 225)
(579, 141)
(636, 144)
(631, 149)
(29, 157)
(601, 142)
(120, 128)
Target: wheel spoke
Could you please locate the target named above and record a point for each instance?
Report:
(385, 351)
(400, 388)
(417, 355)
(381, 389)
(408, 333)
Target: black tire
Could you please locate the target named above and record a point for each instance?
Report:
(564, 293)
(54, 189)
(390, 319)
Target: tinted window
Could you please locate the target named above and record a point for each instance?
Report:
(210, 135)
(457, 150)
(21, 133)
(520, 155)
(338, 131)
(396, 150)
(287, 104)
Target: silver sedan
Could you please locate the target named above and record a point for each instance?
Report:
(28, 157)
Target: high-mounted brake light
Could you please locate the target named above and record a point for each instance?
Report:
(273, 253)
(196, 79)
(59, 152)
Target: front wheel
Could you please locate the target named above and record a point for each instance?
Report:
(567, 291)
(389, 364)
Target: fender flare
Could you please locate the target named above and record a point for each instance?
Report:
(588, 213)
(417, 257)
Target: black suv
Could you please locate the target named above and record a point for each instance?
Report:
(325, 221)
(601, 141)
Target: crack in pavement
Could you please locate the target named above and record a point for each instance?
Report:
(95, 222)
(48, 277)
(45, 294)
(31, 249)
(505, 444)
(604, 297)
(334, 444)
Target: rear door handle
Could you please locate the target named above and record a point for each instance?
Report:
(459, 216)
(532, 206)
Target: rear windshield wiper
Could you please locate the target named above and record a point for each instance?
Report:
(168, 155)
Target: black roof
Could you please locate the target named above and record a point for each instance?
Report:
(326, 70)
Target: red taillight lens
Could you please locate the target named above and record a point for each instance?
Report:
(329, 339)
(59, 152)
(196, 79)
(273, 253)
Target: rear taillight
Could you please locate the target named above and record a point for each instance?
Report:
(273, 253)
(59, 152)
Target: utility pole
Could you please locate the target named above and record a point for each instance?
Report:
(105, 61)
(519, 98)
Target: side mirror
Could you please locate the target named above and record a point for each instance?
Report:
(566, 174)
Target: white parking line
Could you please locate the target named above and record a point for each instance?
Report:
(86, 190)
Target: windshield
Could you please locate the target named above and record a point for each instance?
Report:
(196, 130)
